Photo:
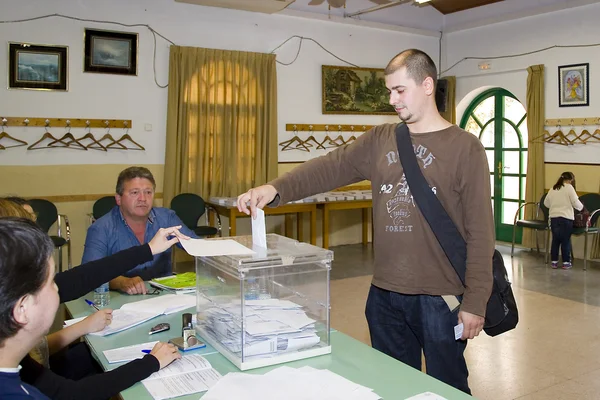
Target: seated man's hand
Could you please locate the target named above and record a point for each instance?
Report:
(133, 285)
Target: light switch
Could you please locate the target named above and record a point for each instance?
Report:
(148, 127)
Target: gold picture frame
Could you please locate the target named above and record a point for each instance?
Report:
(37, 67)
(353, 90)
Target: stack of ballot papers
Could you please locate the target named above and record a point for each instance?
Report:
(190, 374)
(132, 314)
(271, 326)
(290, 384)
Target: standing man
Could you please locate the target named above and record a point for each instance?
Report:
(133, 221)
(405, 309)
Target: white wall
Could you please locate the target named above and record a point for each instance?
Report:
(568, 27)
(139, 99)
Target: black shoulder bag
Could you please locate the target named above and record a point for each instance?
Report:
(501, 312)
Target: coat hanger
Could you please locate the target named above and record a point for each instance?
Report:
(3, 135)
(572, 135)
(88, 135)
(557, 137)
(584, 135)
(353, 138)
(107, 136)
(124, 138)
(295, 140)
(69, 139)
(338, 141)
(47, 135)
(312, 139)
(596, 134)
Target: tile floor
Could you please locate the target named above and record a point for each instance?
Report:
(554, 354)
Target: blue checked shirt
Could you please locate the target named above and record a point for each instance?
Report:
(111, 234)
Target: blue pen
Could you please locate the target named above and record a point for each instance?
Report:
(91, 303)
(146, 351)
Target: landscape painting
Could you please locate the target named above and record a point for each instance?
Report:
(110, 52)
(351, 90)
(37, 67)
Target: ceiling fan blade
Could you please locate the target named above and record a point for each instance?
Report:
(336, 3)
(381, 2)
(316, 2)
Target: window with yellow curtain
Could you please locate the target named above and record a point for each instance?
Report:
(222, 122)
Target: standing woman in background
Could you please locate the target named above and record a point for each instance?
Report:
(561, 201)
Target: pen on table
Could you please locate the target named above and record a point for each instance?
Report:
(91, 303)
(146, 351)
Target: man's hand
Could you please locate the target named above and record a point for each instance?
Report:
(473, 324)
(133, 285)
(161, 242)
(257, 197)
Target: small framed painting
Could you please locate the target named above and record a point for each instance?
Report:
(573, 85)
(37, 67)
(110, 52)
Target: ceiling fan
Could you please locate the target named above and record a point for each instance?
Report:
(342, 3)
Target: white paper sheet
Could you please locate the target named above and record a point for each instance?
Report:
(259, 231)
(167, 304)
(179, 385)
(124, 319)
(190, 363)
(427, 396)
(290, 384)
(203, 247)
(73, 321)
(127, 353)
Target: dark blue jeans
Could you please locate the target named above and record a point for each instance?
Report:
(401, 325)
(562, 228)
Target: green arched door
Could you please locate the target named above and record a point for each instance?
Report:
(500, 122)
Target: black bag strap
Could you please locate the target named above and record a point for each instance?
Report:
(442, 226)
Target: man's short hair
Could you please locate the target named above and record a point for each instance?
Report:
(419, 65)
(132, 173)
(24, 252)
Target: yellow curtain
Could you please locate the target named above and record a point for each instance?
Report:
(535, 187)
(596, 243)
(221, 122)
(450, 113)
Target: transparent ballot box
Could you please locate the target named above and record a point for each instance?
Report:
(265, 308)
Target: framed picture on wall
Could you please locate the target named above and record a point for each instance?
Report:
(37, 67)
(110, 52)
(573, 85)
(349, 90)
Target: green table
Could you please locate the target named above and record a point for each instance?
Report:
(350, 358)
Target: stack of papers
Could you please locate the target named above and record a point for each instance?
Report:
(290, 384)
(132, 314)
(270, 326)
(190, 374)
(183, 283)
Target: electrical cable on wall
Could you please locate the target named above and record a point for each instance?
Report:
(302, 38)
(154, 33)
(556, 46)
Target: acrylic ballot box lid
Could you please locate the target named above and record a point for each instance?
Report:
(281, 251)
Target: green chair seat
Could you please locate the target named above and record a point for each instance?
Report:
(206, 231)
(189, 207)
(58, 241)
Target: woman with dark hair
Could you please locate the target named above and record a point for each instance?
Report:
(561, 201)
(29, 296)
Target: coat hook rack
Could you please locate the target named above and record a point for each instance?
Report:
(572, 121)
(325, 127)
(74, 122)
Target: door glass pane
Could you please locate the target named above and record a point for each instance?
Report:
(523, 183)
(508, 212)
(523, 132)
(524, 155)
(510, 137)
(473, 127)
(510, 187)
(485, 110)
(492, 183)
(490, 158)
(510, 162)
(513, 109)
(487, 136)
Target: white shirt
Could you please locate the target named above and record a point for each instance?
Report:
(561, 202)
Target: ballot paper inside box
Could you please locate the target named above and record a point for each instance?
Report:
(267, 308)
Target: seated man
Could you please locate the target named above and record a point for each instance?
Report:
(133, 221)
